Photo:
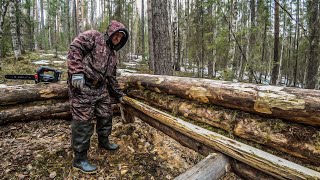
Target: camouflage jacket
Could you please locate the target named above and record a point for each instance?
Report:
(93, 54)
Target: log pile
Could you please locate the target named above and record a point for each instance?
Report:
(266, 162)
(295, 139)
(36, 101)
(292, 104)
(283, 121)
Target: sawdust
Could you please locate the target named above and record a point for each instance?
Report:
(41, 150)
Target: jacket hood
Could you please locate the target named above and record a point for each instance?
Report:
(114, 27)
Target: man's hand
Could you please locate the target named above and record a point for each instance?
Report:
(121, 100)
(77, 81)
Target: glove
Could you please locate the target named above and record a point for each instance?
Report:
(77, 81)
(121, 100)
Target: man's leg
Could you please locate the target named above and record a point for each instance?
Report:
(82, 130)
(104, 124)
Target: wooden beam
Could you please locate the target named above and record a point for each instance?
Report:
(213, 167)
(259, 159)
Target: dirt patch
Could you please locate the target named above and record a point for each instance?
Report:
(41, 150)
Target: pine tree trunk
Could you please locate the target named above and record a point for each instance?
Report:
(142, 29)
(275, 69)
(3, 10)
(1, 31)
(19, 28)
(79, 16)
(35, 25)
(68, 22)
(314, 39)
(252, 40)
(161, 38)
(297, 33)
(43, 35)
(29, 25)
(150, 40)
(93, 2)
(75, 19)
(14, 34)
(175, 36)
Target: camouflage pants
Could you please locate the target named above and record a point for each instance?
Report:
(90, 103)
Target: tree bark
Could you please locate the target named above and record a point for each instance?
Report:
(35, 25)
(14, 34)
(161, 39)
(3, 11)
(142, 29)
(43, 34)
(275, 69)
(39, 110)
(293, 104)
(32, 92)
(294, 139)
(33, 111)
(261, 160)
(314, 39)
(150, 40)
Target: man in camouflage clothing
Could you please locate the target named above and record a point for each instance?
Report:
(92, 67)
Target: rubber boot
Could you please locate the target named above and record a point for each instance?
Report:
(81, 134)
(81, 163)
(103, 128)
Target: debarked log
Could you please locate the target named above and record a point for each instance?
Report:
(213, 167)
(38, 110)
(32, 92)
(254, 157)
(195, 145)
(293, 104)
(292, 138)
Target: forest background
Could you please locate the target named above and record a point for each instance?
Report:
(258, 41)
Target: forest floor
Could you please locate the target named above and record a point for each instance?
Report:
(41, 149)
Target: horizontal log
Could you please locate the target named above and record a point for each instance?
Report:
(291, 138)
(33, 111)
(32, 92)
(247, 172)
(259, 159)
(189, 142)
(213, 167)
(293, 104)
(299, 141)
(38, 110)
(35, 92)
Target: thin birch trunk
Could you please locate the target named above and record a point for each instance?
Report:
(14, 34)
